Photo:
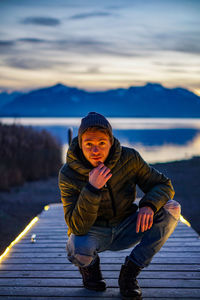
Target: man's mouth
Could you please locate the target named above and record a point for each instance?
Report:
(96, 158)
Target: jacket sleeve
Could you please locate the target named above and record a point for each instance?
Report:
(157, 187)
(80, 208)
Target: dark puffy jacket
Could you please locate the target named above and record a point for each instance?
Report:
(85, 205)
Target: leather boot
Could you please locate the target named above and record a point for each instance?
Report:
(92, 277)
(127, 280)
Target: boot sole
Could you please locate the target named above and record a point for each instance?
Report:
(95, 289)
(132, 298)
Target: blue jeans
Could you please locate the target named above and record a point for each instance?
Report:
(83, 249)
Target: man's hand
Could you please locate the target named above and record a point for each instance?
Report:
(99, 176)
(144, 219)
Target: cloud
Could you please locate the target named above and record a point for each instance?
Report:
(95, 47)
(90, 15)
(32, 62)
(83, 46)
(6, 44)
(43, 21)
(93, 70)
(115, 7)
(187, 42)
(26, 63)
(31, 40)
(188, 47)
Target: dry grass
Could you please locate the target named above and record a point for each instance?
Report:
(26, 154)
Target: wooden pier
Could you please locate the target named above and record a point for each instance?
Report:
(41, 270)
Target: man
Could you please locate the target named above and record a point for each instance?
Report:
(98, 190)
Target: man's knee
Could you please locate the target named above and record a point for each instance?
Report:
(174, 208)
(82, 260)
(81, 251)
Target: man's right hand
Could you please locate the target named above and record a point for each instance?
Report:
(99, 176)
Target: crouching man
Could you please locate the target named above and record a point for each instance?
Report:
(98, 190)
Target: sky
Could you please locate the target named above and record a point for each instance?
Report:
(99, 45)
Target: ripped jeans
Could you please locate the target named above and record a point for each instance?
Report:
(82, 249)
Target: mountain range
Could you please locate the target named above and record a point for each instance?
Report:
(151, 100)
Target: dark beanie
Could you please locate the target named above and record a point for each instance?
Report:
(94, 119)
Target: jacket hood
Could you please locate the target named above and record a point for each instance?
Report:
(77, 161)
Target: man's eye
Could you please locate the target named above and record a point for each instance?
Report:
(88, 144)
(102, 143)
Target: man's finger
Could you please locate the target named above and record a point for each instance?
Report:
(107, 171)
(143, 222)
(147, 222)
(100, 165)
(102, 170)
(150, 221)
(108, 176)
(138, 222)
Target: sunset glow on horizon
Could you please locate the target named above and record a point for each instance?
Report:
(99, 45)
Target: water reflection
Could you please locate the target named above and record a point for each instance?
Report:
(161, 151)
(167, 151)
(156, 136)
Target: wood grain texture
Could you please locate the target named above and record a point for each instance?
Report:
(41, 270)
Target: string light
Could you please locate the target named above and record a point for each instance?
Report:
(184, 221)
(46, 207)
(19, 237)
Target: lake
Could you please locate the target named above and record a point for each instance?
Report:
(157, 140)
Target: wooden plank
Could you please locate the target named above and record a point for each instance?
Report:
(32, 251)
(41, 229)
(63, 227)
(63, 245)
(41, 270)
(85, 298)
(107, 254)
(64, 239)
(107, 274)
(104, 260)
(190, 293)
(77, 282)
(171, 242)
(64, 267)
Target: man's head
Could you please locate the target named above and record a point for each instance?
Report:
(95, 138)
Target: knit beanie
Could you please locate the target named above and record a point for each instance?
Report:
(94, 119)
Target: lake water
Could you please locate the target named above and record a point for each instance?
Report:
(157, 140)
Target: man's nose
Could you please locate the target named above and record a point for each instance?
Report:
(95, 149)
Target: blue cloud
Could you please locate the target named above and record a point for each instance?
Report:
(44, 21)
(90, 15)
(6, 43)
(31, 40)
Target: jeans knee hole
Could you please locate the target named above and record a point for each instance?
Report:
(83, 259)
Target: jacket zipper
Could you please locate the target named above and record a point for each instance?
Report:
(112, 199)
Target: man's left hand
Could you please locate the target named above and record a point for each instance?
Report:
(144, 219)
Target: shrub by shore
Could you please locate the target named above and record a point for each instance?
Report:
(26, 154)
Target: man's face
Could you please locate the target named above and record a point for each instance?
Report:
(95, 146)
